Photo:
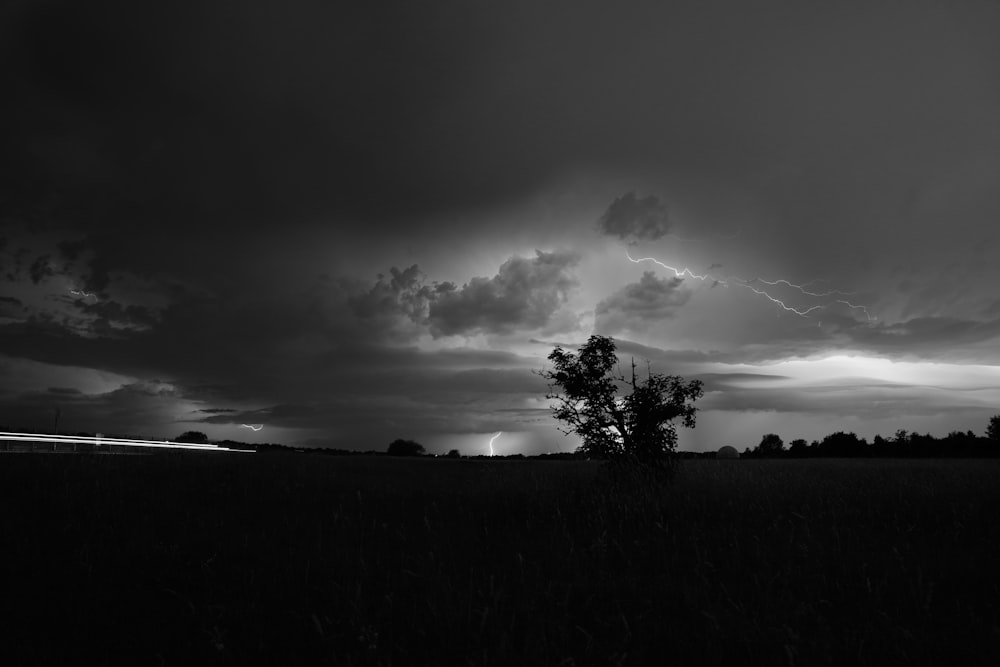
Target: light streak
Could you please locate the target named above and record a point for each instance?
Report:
(253, 427)
(741, 282)
(82, 294)
(779, 302)
(678, 273)
(491, 441)
(861, 308)
(99, 440)
(802, 287)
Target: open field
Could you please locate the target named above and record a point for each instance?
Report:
(274, 559)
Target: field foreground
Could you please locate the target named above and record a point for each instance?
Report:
(187, 558)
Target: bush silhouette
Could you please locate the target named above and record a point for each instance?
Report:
(401, 447)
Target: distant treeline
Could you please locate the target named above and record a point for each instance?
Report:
(901, 445)
(836, 445)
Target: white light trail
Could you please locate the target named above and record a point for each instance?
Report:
(82, 294)
(103, 440)
(491, 441)
(253, 427)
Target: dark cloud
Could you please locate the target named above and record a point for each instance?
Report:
(638, 306)
(860, 398)
(945, 338)
(137, 408)
(524, 294)
(715, 381)
(193, 163)
(71, 250)
(396, 306)
(40, 269)
(131, 316)
(629, 217)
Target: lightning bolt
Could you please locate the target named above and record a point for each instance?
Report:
(861, 308)
(748, 284)
(82, 294)
(678, 273)
(253, 427)
(491, 441)
(802, 287)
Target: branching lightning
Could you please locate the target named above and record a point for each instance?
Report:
(678, 273)
(749, 284)
(802, 287)
(253, 427)
(491, 441)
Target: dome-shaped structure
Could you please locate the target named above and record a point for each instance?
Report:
(727, 452)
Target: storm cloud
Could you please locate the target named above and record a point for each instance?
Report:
(638, 306)
(524, 294)
(631, 218)
(228, 180)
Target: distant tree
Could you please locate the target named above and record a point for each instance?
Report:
(454, 454)
(405, 448)
(771, 445)
(993, 429)
(843, 444)
(901, 437)
(798, 448)
(196, 437)
(636, 427)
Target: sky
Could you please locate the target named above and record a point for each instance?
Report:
(354, 222)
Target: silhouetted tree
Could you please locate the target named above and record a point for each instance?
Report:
(843, 444)
(454, 454)
(635, 427)
(798, 448)
(770, 445)
(993, 429)
(405, 448)
(196, 437)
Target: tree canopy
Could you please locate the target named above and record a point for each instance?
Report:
(618, 418)
(402, 447)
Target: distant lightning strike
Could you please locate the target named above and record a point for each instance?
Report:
(80, 293)
(740, 282)
(491, 441)
(802, 287)
(863, 309)
(253, 427)
(678, 273)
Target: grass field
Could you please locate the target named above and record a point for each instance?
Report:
(187, 558)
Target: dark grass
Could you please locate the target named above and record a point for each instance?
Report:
(238, 559)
